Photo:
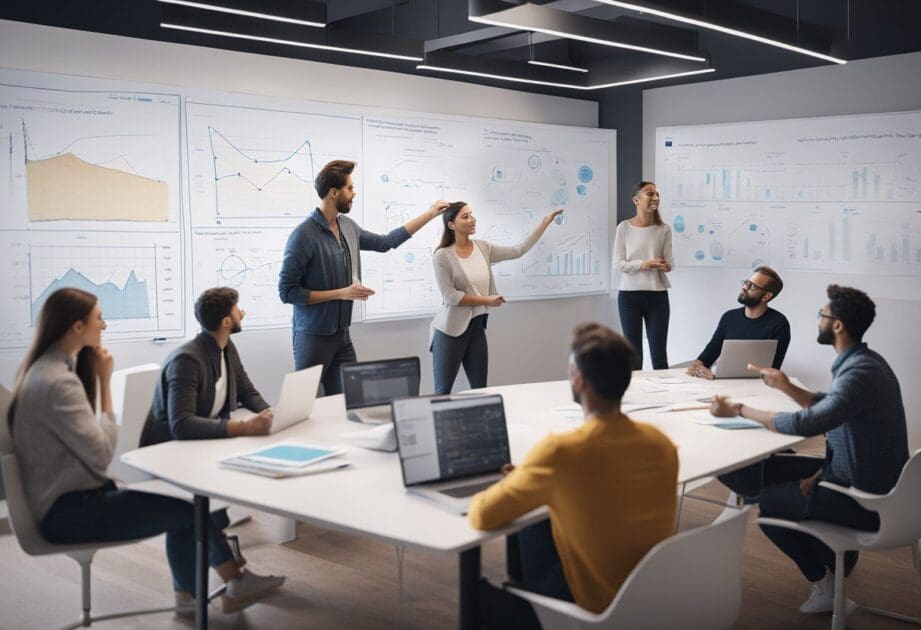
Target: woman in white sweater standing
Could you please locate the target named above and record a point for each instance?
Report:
(64, 447)
(643, 255)
(464, 276)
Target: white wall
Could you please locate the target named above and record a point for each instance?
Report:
(699, 296)
(528, 339)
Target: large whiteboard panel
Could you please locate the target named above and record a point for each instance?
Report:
(90, 191)
(147, 195)
(836, 194)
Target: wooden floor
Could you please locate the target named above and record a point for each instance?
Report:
(340, 581)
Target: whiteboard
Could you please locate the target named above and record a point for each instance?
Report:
(148, 194)
(834, 194)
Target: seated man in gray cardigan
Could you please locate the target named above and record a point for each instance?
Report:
(203, 380)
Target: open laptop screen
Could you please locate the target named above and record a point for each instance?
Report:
(372, 383)
(442, 438)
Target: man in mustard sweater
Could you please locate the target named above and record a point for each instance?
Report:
(610, 486)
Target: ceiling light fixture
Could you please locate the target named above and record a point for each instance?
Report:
(288, 42)
(722, 29)
(558, 66)
(255, 14)
(487, 75)
(583, 38)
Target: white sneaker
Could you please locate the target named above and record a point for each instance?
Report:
(185, 605)
(247, 589)
(822, 597)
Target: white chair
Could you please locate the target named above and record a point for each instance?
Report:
(27, 532)
(899, 526)
(132, 394)
(690, 581)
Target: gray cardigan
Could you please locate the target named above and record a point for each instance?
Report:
(60, 443)
(452, 319)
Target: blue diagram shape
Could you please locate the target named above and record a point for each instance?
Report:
(560, 196)
(498, 174)
(678, 224)
(385, 177)
(716, 251)
(712, 232)
(701, 228)
(699, 254)
(128, 302)
(559, 220)
(581, 189)
(752, 227)
(534, 162)
(410, 257)
(585, 173)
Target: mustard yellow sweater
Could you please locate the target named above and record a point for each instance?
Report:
(610, 486)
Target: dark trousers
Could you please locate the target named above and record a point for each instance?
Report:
(330, 351)
(107, 514)
(634, 308)
(469, 349)
(776, 483)
(534, 563)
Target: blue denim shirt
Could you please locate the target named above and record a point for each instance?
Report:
(313, 261)
(864, 421)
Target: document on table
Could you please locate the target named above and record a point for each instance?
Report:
(735, 422)
(288, 459)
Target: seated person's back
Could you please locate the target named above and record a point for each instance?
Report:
(610, 485)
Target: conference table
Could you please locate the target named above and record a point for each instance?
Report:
(368, 498)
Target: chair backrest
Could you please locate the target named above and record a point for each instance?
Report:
(691, 580)
(6, 440)
(21, 518)
(132, 394)
(900, 511)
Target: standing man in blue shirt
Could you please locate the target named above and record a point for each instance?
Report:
(321, 272)
(755, 320)
(866, 446)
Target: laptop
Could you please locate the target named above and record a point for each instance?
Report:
(451, 448)
(738, 353)
(369, 386)
(295, 403)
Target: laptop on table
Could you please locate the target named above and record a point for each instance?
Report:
(369, 386)
(736, 354)
(451, 448)
(295, 403)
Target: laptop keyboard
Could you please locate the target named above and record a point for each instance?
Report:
(467, 491)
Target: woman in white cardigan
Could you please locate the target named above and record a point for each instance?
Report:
(464, 276)
(643, 255)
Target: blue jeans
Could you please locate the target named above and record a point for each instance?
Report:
(469, 349)
(107, 514)
(634, 308)
(330, 351)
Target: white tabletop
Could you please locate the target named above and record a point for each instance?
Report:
(369, 499)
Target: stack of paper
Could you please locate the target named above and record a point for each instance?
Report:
(288, 459)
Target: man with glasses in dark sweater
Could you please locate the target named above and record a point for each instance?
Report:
(755, 320)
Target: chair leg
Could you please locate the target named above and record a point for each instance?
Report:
(85, 583)
(839, 611)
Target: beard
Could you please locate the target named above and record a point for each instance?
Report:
(748, 300)
(576, 398)
(343, 206)
(235, 328)
(826, 337)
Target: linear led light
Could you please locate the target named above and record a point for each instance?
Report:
(255, 14)
(501, 77)
(288, 42)
(558, 66)
(582, 38)
(722, 29)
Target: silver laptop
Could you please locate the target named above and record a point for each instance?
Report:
(451, 448)
(295, 403)
(738, 353)
(369, 386)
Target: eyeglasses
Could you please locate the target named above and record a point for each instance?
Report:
(821, 315)
(748, 284)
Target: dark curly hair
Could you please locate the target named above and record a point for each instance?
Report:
(853, 308)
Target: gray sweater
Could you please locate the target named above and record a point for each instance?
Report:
(61, 444)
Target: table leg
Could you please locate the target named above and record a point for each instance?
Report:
(202, 514)
(469, 614)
